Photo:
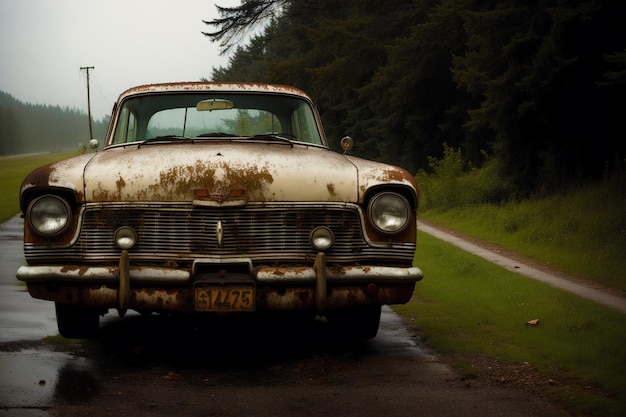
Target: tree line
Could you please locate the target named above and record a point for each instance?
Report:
(33, 128)
(538, 86)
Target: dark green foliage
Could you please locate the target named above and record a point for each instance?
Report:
(540, 85)
(533, 69)
(9, 131)
(236, 21)
(29, 128)
(449, 183)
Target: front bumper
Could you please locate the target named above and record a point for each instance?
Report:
(319, 287)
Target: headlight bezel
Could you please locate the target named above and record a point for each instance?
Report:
(125, 237)
(49, 215)
(322, 238)
(389, 212)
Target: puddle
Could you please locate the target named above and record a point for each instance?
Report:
(31, 381)
(394, 338)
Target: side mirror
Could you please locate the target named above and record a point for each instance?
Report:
(347, 144)
(93, 144)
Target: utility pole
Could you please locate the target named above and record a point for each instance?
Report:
(88, 100)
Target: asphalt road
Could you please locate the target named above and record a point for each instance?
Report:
(163, 366)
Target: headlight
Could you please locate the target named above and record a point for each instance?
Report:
(125, 237)
(322, 238)
(389, 212)
(49, 215)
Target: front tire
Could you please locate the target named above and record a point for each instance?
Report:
(77, 322)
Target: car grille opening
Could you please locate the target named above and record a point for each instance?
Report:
(184, 233)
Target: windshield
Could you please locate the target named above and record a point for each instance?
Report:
(210, 115)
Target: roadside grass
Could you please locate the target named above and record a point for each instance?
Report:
(581, 232)
(13, 170)
(471, 307)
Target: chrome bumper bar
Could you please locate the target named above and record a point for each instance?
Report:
(127, 286)
(264, 274)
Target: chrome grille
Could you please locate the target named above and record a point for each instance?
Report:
(269, 233)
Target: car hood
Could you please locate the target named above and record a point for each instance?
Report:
(217, 171)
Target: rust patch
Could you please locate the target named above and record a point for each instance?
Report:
(390, 174)
(393, 175)
(179, 182)
(211, 86)
(331, 189)
(70, 268)
(120, 183)
(282, 270)
(40, 176)
(337, 269)
(101, 194)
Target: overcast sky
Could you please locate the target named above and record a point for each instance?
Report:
(43, 44)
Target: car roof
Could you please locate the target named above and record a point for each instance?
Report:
(213, 86)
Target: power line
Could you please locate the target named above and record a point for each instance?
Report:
(104, 97)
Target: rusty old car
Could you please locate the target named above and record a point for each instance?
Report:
(211, 198)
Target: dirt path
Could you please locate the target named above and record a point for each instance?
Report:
(528, 268)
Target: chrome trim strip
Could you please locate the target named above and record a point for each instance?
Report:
(99, 274)
(264, 274)
(363, 273)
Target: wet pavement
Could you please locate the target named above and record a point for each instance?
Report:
(39, 369)
(27, 378)
(21, 316)
(32, 373)
(162, 366)
(32, 379)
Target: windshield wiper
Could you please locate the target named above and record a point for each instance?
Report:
(280, 137)
(167, 138)
(217, 135)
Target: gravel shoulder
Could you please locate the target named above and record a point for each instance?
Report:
(528, 267)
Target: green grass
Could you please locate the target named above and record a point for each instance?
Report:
(582, 232)
(13, 170)
(469, 306)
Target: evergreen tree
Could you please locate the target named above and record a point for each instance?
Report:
(536, 86)
(9, 131)
(28, 128)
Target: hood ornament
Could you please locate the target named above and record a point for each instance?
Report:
(219, 194)
(219, 232)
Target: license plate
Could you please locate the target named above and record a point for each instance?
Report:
(228, 298)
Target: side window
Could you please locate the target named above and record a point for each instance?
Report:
(131, 134)
(304, 125)
(126, 129)
(295, 125)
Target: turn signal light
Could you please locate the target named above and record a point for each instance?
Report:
(372, 288)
